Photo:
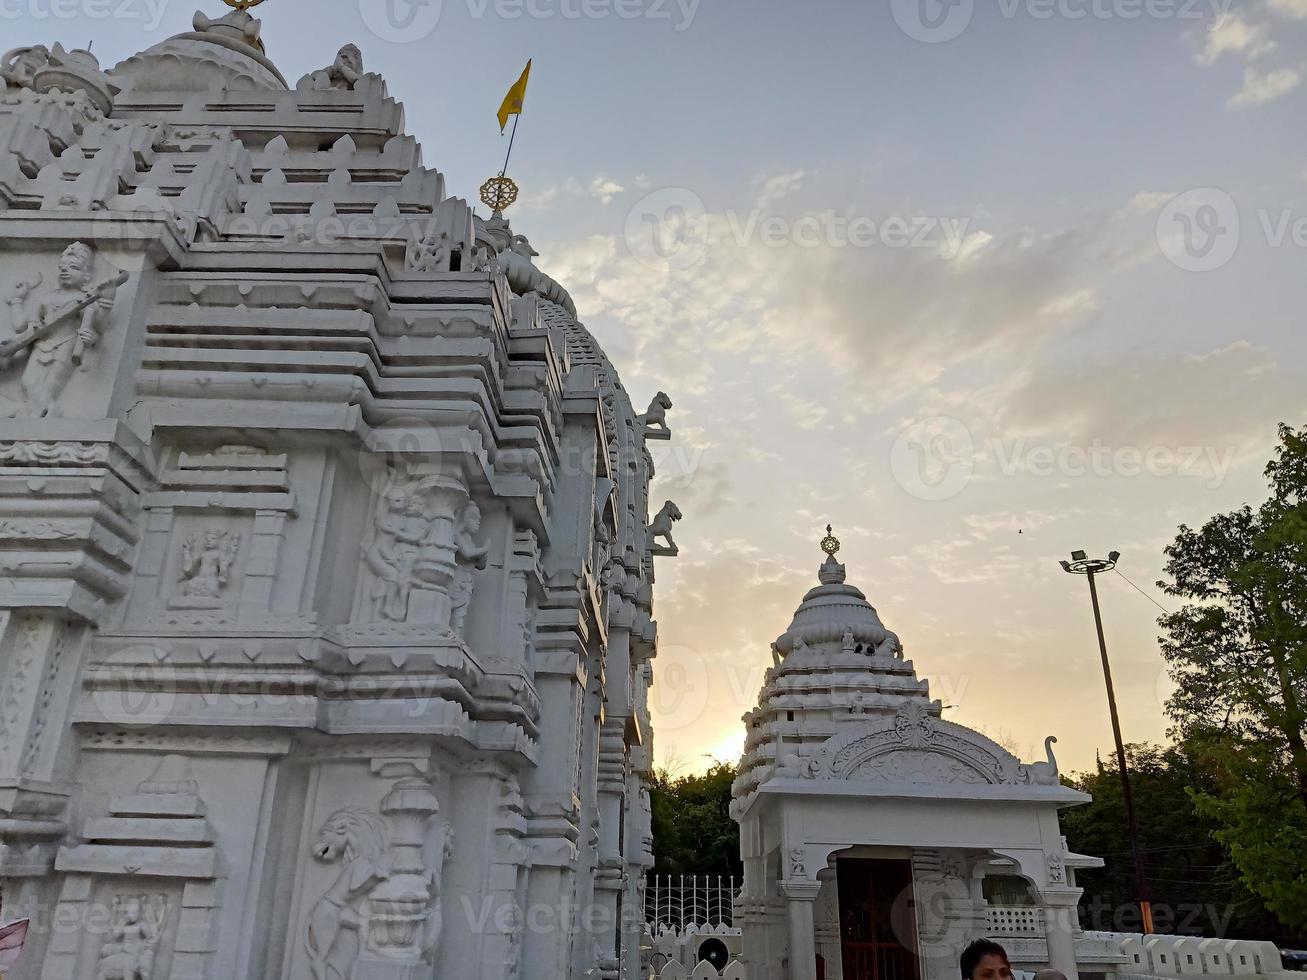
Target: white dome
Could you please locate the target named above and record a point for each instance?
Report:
(221, 53)
(830, 611)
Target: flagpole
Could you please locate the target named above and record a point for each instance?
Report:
(512, 136)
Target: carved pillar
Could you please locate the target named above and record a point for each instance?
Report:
(800, 897)
(38, 653)
(508, 881)
(405, 911)
(947, 915)
(524, 578)
(1060, 928)
(826, 924)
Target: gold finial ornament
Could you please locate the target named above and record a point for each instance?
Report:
(242, 5)
(830, 544)
(498, 193)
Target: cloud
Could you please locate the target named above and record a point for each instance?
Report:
(777, 187)
(1223, 401)
(1143, 204)
(604, 189)
(1232, 33)
(1260, 88)
(1293, 9)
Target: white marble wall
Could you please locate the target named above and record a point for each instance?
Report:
(322, 553)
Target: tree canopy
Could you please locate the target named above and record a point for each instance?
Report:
(1194, 884)
(1237, 651)
(692, 827)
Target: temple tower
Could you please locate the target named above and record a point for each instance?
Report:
(877, 838)
(326, 559)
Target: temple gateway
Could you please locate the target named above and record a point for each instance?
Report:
(877, 838)
(326, 566)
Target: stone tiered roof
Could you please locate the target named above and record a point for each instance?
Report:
(836, 666)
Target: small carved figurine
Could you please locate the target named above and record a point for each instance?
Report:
(344, 73)
(206, 563)
(471, 556)
(128, 952)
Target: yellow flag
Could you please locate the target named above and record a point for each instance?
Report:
(513, 100)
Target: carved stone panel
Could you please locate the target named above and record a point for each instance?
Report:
(50, 326)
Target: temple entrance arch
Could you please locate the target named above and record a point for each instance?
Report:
(877, 911)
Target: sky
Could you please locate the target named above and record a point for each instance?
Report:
(978, 282)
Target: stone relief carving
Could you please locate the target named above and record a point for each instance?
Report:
(661, 527)
(53, 665)
(414, 548)
(397, 534)
(470, 556)
(206, 569)
(355, 838)
(18, 691)
(952, 866)
(385, 905)
(1056, 869)
(77, 453)
(655, 419)
(798, 863)
(917, 767)
(54, 328)
(614, 575)
(914, 725)
(917, 746)
(430, 253)
(128, 952)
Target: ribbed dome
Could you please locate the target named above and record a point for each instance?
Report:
(836, 667)
(220, 53)
(831, 612)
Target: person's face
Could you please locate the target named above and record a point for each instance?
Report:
(992, 967)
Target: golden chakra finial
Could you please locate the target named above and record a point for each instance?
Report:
(242, 5)
(498, 193)
(830, 544)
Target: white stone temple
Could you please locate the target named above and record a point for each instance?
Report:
(877, 838)
(326, 563)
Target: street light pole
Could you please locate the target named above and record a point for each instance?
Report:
(1081, 564)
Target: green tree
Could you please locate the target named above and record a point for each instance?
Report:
(1237, 651)
(693, 831)
(1193, 882)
